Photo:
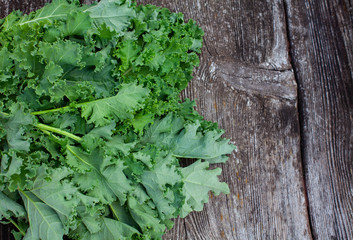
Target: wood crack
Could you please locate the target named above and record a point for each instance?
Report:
(300, 115)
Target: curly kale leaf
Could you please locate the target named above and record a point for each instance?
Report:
(185, 140)
(101, 178)
(119, 107)
(112, 13)
(198, 181)
(16, 126)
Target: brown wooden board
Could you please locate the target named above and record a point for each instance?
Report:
(321, 34)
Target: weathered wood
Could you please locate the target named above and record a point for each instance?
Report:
(245, 83)
(26, 6)
(321, 36)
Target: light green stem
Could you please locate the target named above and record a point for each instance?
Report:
(50, 110)
(114, 213)
(66, 108)
(57, 130)
(5, 114)
(18, 227)
(79, 158)
(45, 128)
(50, 134)
(127, 71)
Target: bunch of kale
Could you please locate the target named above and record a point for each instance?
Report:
(91, 126)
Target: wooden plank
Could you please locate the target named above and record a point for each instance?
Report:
(246, 84)
(26, 6)
(321, 34)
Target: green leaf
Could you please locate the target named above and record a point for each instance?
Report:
(128, 52)
(80, 161)
(58, 9)
(56, 192)
(145, 158)
(112, 230)
(9, 207)
(5, 61)
(146, 218)
(61, 52)
(25, 59)
(122, 106)
(44, 222)
(159, 182)
(11, 164)
(185, 141)
(50, 76)
(10, 20)
(112, 14)
(104, 180)
(193, 144)
(142, 120)
(16, 127)
(122, 214)
(97, 136)
(92, 223)
(198, 181)
(17, 235)
(77, 23)
(117, 144)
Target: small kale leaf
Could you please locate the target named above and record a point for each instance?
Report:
(198, 181)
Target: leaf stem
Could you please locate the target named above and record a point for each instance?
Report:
(114, 212)
(58, 130)
(79, 158)
(66, 108)
(127, 71)
(51, 110)
(17, 226)
(50, 134)
(5, 114)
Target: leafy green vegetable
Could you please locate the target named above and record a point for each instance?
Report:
(93, 134)
(9, 207)
(198, 181)
(43, 221)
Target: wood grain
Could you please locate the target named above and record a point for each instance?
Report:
(321, 47)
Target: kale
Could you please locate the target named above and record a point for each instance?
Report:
(92, 129)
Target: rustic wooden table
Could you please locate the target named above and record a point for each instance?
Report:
(278, 76)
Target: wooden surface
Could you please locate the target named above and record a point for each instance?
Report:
(321, 34)
(278, 77)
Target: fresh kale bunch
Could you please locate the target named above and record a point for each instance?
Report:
(92, 130)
